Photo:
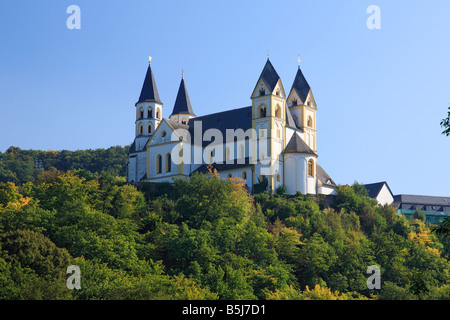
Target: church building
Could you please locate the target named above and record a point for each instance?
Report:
(273, 140)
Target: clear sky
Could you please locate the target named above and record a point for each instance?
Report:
(380, 93)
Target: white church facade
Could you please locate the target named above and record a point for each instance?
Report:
(273, 140)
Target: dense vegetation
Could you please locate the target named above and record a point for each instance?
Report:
(21, 166)
(207, 238)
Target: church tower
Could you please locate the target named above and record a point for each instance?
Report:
(148, 117)
(269, 121)
(303, 108)
(182, 110)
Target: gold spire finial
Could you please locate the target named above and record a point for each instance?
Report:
(299, 60)
(182, 73)
(149, 60)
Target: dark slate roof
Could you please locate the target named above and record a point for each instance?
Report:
(149, 91)
(132, 147)
(297, 145)
(375, 188)
(182, 103)
(224, 166)
(424, 200)
(289, 119)
(233, 119)
(324, 177)
(300, 85)
(269, 75)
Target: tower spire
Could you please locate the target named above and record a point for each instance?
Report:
(149, 90)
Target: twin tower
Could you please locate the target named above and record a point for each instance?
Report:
(286, 122)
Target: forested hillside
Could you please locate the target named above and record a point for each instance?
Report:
(206, 238)
(20, 166)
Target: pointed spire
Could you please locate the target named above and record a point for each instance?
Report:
(182, 103)
(149, 91)
(300, 85)
(269, 75)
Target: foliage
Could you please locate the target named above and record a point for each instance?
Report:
(445, 124)
(21, 166)
(207, 238)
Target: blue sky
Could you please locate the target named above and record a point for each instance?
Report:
(380, 93)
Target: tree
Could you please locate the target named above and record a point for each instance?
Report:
(445, 124)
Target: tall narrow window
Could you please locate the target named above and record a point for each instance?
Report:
(244, 175)
(141, 129)
(311, 168)
(278, 112)
(158, 164)
(141, 114)
(149, 113)
(262, 112)
(168, 162)
(149, 129)
(157, 114)
(310, 123)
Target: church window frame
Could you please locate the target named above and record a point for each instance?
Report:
(278, 111)
(311, 168)
(168, 163)
(150, 113)
(262, 111)
(159, 164)
(309, 122)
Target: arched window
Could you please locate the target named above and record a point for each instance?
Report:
(168, 162)
(149, 113)
(244, 175)
(158, 164)
(184, 121)
(278, 178)
(157, 114)
(262, 112)
(141, 129)
(141, 114)
(310, 123)
(262, 92)
(311, 168)
(278, 112)
(149, 129)
(294, 102)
